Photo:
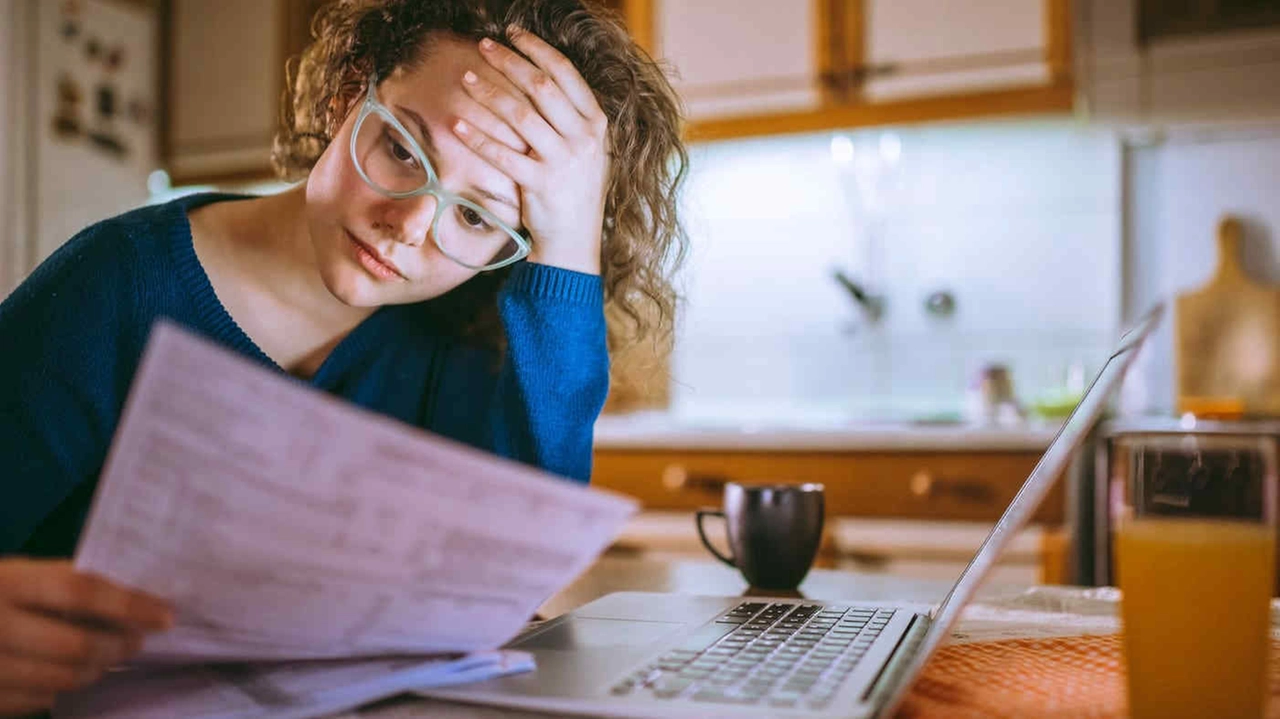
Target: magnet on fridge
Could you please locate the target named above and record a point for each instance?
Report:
(68, 90)
(109, 143)
(106, 101)
(66, 119)
(115, 58)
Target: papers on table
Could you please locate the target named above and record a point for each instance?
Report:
(285, 690)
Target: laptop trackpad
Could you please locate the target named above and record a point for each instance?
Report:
(583, 633)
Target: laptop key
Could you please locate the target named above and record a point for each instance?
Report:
(705, 636)
(668, 687)
(718, 697)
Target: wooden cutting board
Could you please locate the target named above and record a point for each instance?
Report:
(1227, 337)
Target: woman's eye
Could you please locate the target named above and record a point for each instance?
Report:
(401, 153)
(473, 219)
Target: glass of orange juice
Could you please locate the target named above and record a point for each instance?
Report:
(1195, 549)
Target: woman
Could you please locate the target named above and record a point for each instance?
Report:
(480, 178)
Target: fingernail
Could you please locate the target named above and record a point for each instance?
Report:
(469, 77)
(486, 44)
(461, 128)
(514, 30)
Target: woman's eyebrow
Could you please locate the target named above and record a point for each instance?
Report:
(429, 145)
(424, 134)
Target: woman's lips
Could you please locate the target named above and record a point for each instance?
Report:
(374, 262)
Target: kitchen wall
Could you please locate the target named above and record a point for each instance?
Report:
(1178, 189)
(1020, 221)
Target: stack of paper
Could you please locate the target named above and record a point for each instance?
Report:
(276, 690)
(285, 524)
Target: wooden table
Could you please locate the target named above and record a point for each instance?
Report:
(998, 612)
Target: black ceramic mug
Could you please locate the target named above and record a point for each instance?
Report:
(774, 531)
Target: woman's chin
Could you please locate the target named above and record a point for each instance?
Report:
(354, 288)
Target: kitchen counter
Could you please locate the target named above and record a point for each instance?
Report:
(664, 430)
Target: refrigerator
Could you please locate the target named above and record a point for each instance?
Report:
(79, 83)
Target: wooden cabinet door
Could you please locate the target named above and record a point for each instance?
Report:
(223, 87)
(740, 57)
(919, 485)
(224, 83)
(915, 48)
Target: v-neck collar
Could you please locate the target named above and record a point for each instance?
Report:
(223, 327)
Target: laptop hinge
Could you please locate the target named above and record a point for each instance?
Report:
(901, 657)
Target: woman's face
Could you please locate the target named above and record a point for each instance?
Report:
(373, 250)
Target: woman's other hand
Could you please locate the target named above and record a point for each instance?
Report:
(563, 178)
(61, 629)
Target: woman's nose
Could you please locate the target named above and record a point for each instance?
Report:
(408, 221)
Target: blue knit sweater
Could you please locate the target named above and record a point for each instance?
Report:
(73, 332)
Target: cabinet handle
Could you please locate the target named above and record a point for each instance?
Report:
(676, 478)
(925, 486)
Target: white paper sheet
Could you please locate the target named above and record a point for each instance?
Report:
(285, 524)
(287, 690)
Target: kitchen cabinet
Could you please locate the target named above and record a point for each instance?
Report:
(909, 513)
(1157, 62)
(951, 485)
(759, 67)
(913, 48)
(223, 84)
(741, 57)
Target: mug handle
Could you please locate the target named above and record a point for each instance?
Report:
(703, 535)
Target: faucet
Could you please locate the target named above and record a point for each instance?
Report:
(872, 305)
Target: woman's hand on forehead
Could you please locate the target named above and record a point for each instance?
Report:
(563, 177)
(482, 117)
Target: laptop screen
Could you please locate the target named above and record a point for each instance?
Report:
(1051, 466)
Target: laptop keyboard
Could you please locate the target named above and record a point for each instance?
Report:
(781, 655)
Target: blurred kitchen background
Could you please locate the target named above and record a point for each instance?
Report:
(917, 228)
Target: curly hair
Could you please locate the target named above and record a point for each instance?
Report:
(644, 241)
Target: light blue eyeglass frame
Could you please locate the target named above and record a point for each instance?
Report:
(444, 198)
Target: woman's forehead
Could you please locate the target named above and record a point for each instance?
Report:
(437, 79)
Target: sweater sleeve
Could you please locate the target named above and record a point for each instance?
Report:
(61, 385)
(555, 374)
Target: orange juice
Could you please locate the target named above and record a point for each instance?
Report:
(1196, 609)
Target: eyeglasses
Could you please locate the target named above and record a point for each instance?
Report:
(391, 162)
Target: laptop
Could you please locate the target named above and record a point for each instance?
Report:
(638, 654)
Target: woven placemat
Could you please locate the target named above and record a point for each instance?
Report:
(1060, 677)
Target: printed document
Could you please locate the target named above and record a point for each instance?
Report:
(285, 524)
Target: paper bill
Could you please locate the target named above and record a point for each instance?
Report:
(283, 523)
